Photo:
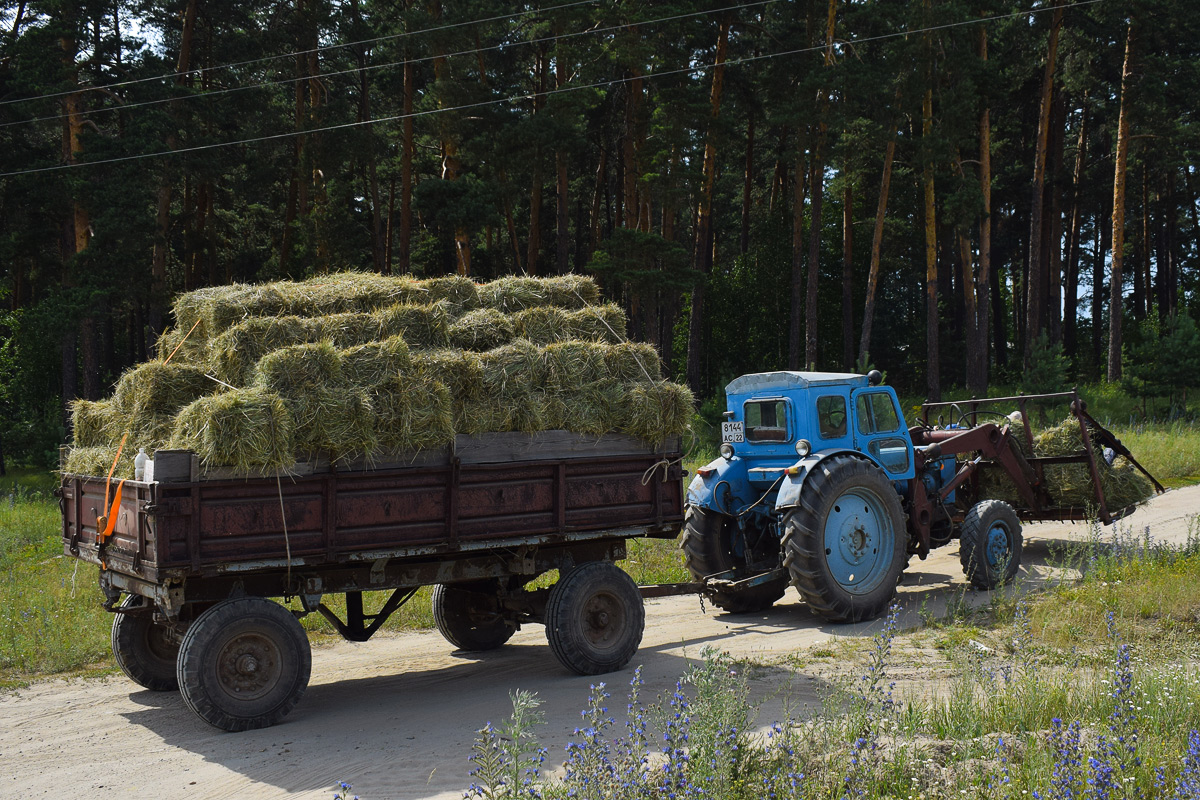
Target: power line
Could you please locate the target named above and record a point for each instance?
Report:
(530, 95)
(356, 70)
(264, 59)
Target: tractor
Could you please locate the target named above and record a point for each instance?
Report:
(821, 485)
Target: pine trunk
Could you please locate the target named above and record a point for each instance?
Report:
(704, 233)
(848, 275)
(864, 342)
(932, 349)
(795, 317)
(1116, 313)
(1037, 288)
(1071, 298)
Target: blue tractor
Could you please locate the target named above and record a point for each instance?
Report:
(821, 485)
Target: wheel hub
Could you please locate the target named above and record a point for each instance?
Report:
(602, 619)
(857, 537)
(998, 547)
(248, 666)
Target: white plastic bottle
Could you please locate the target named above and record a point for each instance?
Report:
(139, 464)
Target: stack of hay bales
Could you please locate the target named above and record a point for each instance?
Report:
(1071, 484)
(356, 364)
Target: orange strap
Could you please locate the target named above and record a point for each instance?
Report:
(110, 519)
(185, 338)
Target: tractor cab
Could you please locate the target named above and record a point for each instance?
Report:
(781, 420)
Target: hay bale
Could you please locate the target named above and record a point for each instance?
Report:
(247, 429)
(518, 293)
(633, 362)
(606, 323)
(421, 326)
(461, 372)
(157, 388)
(413, 412)
(569, 365)
(219, 308)
(594, 408)
(177, 345)
(542, 324)
(97, 461)
(658, 410)
(235, 353)
(518, 409)
(343, 292)
(514, 369)
(481, 329)
(95, 423)
(300, 369)
(349, 329)
(462, 294)
(369, 365)
(338, 422)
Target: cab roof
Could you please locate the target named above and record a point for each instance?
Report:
(779, 381)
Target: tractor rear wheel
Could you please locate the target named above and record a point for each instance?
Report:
(845, 544)
(990, 544)
(708, 549)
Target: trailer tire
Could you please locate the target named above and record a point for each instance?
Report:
(144, 650)
(990, 544)
(707, 550)
(244, 664)
(846, 562)
(595, 618)
(468, 615)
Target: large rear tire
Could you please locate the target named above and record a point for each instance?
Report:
(244, 664)
(990, 544)
(595, 618)
(708, 549)
(468, 615)
(145, 652)
(845, 544)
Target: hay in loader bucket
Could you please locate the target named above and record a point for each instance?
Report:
(355, 364)
(1071, 484)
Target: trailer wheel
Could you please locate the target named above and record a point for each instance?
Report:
(595, 618)
(708, 549)
(990, 544)
(145, 651)
(244, 664)
(845, 544)
(468, 615)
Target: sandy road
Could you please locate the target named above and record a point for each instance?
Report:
(396, 716)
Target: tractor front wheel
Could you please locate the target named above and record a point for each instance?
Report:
(845, 544)
(990, 544)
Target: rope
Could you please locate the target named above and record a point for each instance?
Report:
(287, 544)
(648, 475)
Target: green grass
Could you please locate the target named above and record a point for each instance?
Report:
(50, 615)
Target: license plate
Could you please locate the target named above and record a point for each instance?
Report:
(733, 432)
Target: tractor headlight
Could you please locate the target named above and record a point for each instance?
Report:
(803, 447)
(726, 451)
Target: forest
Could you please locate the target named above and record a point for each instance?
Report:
(960, 193)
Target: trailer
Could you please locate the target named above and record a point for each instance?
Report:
(190, 560)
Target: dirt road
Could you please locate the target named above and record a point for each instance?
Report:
(396, 716)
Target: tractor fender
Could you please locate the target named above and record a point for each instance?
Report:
(792, 485)
(707, 491)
